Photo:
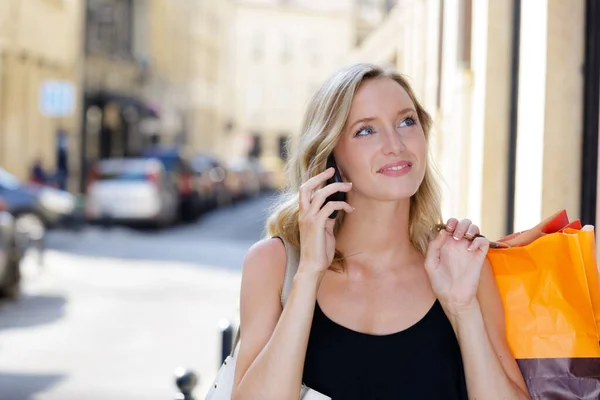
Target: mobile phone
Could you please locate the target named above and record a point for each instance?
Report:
(337, 177)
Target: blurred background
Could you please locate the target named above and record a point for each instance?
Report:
(142, 143)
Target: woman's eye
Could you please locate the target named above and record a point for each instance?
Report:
(407, 122)
(367, 130)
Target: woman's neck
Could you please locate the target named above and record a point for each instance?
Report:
(376, 234)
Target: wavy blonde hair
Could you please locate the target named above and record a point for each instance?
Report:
(323, 124)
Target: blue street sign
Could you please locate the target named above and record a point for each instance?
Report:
(57, 98)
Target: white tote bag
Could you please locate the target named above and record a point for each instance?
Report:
(222, 387)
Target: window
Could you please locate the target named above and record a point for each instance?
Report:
(109, 25)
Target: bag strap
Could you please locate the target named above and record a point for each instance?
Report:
(292, 259)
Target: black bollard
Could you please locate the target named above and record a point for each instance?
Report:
(186, 381)
(226, 339)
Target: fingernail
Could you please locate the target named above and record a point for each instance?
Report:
(456, 237)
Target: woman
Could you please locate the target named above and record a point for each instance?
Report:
(382, 306)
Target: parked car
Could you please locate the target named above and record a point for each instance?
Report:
(211, 177)
(234, 182)
(10, 255)
(247, 175)
(36, 207)
(131, 190)
(179, 170)
(266, 178)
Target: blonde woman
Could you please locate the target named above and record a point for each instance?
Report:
(382, 306)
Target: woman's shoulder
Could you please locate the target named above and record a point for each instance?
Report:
(266, 259)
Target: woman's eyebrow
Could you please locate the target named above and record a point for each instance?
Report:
(368, 119)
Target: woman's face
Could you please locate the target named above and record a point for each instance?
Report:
(382, 149)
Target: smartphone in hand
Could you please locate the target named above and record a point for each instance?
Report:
(337, 177)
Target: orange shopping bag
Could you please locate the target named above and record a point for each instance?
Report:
(549, 283)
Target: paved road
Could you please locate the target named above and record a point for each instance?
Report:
(112, 313)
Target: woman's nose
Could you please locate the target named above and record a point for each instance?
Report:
(392, 142)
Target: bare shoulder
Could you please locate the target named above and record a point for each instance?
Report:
(265, 260)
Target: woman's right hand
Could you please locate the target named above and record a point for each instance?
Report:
(317, 242)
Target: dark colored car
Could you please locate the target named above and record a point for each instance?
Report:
(36, 207)
(211, 176)
(10, 255)
(178, 168)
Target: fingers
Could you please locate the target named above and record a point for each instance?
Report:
(333, 206)
(464, 228)
(472, 231)
(307, 188)
(461, 229)
(321, 195)
(451, 224)
(480, 243)
(433, 250)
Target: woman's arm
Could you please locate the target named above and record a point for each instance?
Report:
(490, 368)
(273, 343)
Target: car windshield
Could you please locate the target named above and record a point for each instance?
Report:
(124, 170)
(8, 180)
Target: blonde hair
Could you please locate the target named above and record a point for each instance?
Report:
(323, 124)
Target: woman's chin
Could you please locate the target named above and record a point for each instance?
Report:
(396, 195)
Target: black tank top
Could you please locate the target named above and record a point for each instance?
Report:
(422, 362)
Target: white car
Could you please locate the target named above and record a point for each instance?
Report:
(131, 190)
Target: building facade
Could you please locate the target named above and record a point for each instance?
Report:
(152, 75)
(280, 54)
(115, 73)
(211, 82)
(40, 44)
(514, 114)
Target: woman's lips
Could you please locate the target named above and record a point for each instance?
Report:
(396, 169)
(396, 172)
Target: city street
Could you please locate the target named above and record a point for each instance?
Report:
(112, 312)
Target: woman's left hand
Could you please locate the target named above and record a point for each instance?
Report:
(453, 263)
